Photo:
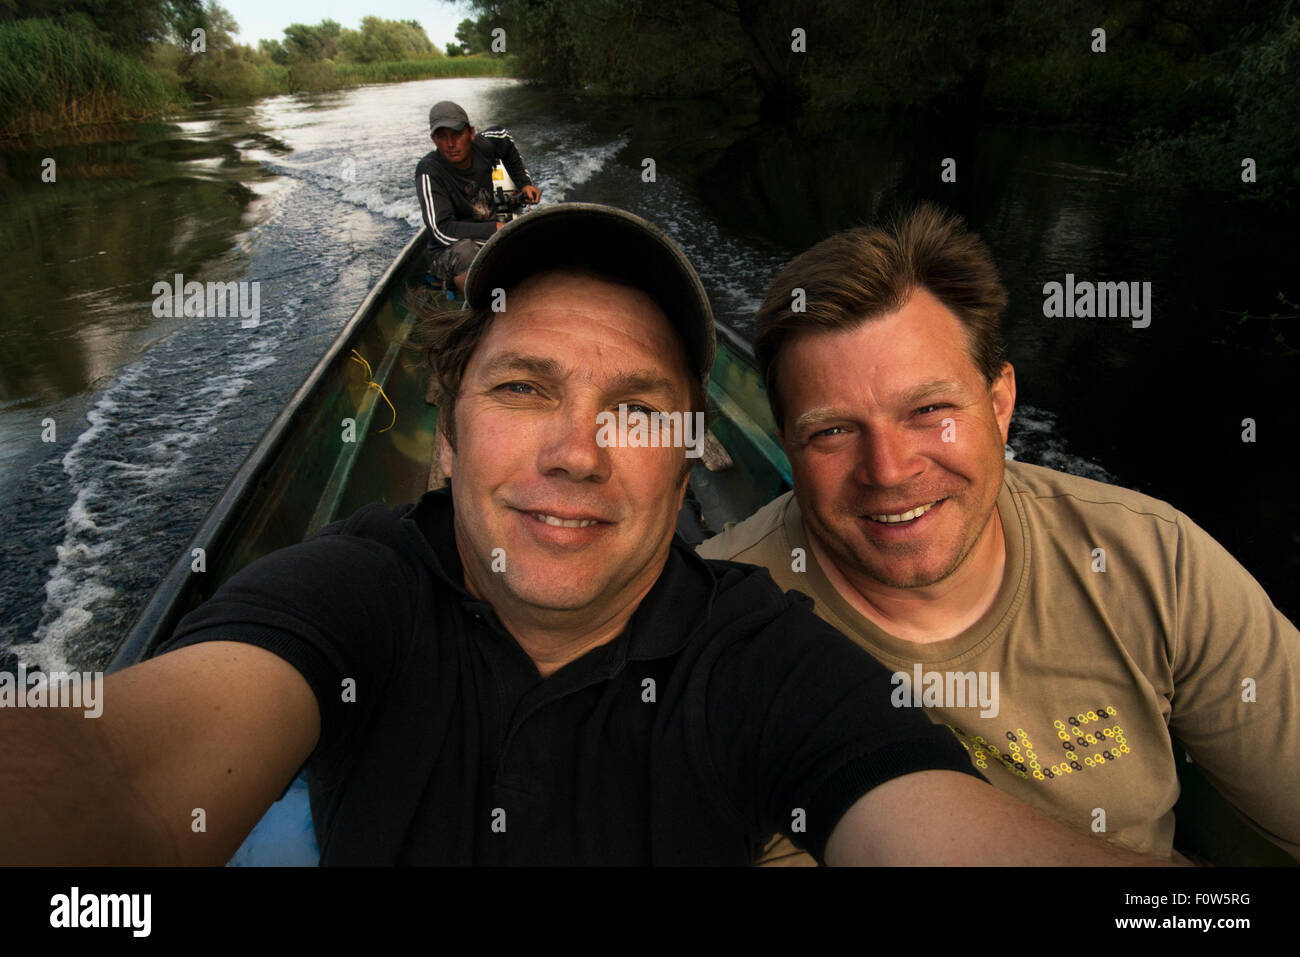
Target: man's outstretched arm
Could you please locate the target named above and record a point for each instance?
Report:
(219, 727)
(944, 818)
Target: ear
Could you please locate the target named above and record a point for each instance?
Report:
(446, 454)
(1003, 392)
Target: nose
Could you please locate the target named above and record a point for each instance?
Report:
(887, 458)
(569, 447)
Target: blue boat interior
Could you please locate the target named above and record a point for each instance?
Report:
(285, 837)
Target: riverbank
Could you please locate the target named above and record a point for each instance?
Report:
(54, 80)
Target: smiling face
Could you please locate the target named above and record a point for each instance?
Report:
(585, 529)
(896, 442)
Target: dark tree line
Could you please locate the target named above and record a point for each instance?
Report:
(999, 54)
(1192, 83)
(126, 25)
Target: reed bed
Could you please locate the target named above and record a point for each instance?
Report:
(53, 77)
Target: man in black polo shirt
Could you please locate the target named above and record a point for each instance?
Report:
(455, 187)
(527, 667)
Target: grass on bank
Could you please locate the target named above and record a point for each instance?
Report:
(53, 77)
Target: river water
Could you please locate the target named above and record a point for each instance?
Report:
(118, 428)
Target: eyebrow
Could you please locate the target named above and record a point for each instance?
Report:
(927, 389)
(643, 380)
(910, 397)
(635, 380)
(522, 362)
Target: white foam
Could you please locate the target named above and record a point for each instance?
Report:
(1035, 439)
(574, 170)
(141, 432)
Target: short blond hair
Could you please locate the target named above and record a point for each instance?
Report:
(866, 273)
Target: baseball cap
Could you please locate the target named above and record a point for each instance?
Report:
(610, 242)
(447, 113)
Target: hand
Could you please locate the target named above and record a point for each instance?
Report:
(532, 194)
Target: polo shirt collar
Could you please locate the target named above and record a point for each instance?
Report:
(678, 604)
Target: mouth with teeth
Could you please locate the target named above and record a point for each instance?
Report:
(564, 522)
(904, 518)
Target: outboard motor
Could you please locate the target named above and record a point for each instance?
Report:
(505, 205)
(507, 200)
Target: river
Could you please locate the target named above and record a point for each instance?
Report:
(119, 427)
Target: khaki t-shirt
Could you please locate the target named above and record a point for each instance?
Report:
(1118, 623)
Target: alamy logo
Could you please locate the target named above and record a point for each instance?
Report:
(653, 430)
(58, 689)
(946, 689)
(210, 301)
(75, 909)
(1100, 300)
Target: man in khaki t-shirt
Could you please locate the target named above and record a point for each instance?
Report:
(1064, 629)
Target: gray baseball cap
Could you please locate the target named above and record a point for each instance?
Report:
(611, 242)
(449, 114)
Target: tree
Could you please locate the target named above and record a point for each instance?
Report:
(275, 50)
(218, 29)
(318, 42)
(126, 25)
(470, 37)
(386, 41)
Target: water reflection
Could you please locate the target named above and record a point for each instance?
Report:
(85, 249)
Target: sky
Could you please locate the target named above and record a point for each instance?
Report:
(266, 19)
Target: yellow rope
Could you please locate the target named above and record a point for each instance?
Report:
(375, 385)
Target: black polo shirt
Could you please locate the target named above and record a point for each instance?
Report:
(726, 711)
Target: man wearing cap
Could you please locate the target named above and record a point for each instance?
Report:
(454, 183)
(526, 667)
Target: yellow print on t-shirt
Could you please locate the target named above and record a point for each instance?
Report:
(1083, 747)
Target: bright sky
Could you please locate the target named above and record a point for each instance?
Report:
(262, 20)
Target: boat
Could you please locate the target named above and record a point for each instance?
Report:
(360, 429)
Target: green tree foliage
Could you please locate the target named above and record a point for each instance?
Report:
(386, 41)
(474, 36)
(73, 67)
(201, 55)
(125, 25)
(621, 46)
(1261, 123)
(312, 43)
(1210, 81)
(274, 51)
(1022, 58)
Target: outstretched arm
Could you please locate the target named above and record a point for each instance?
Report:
(219, 727)
(947, 818)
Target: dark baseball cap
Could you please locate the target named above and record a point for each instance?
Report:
(447, 113)
(610, 242)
